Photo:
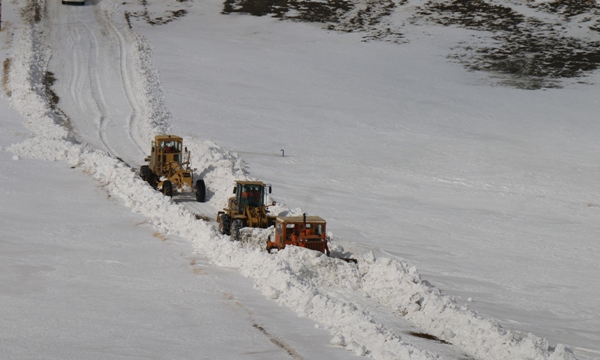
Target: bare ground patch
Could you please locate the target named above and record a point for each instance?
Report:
(428, 337)
(568, 8)
(144, 14)
(51, 95)
(529, 52)
(6, 76)
(339, 15)
(32, 12)
(522, 51)
(48, 80)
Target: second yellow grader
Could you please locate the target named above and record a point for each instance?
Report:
(245, 209)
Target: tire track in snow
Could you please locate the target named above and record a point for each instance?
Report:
(96, 89)
(77, 81)
(95, 94)
(124, 65)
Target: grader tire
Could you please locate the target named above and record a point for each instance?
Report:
(200, 191)
(236, 227)
(145, 172)
(168, 188)
(152, 180)
(225, 224)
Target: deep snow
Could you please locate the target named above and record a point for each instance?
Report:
(406, 155)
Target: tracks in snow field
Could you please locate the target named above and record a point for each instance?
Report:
(90, 62)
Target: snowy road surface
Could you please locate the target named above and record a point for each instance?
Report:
(91, 60)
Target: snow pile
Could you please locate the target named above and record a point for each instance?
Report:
(219, 169)
(306, 281)
(254, 238)
(25, 81)
(394, 284)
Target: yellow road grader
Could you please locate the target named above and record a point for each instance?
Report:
(245, 209)
(167, 170)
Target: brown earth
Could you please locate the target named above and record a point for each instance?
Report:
(528, 52)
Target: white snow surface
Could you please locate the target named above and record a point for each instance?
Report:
(416, 163)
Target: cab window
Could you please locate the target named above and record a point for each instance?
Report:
(318, 229)
(252, 195)
(170, 146)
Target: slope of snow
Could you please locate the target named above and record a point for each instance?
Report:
(89, 279)
(339, 297)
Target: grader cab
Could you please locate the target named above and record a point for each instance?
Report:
(304, 231)
(245, 209)
(169, 168)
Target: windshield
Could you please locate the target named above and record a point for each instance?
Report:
(252, 195)
(317, 228)
(170, 146)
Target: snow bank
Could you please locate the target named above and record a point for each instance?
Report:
(305, 281)
(394, 284)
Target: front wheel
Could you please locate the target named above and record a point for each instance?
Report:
(236, 227)
(200, 191)
(167, 188)
(225, 224)
(152, 179)
(145, 172)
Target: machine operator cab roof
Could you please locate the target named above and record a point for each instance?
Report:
(301, 219)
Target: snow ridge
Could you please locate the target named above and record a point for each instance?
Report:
(306, 281)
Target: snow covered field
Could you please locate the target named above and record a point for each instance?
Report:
(440, 183)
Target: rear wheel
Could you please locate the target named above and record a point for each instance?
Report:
(200, 191)
(236, 227)
(152, 180)
(225, 224)
(167, 188)
(145, 172)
